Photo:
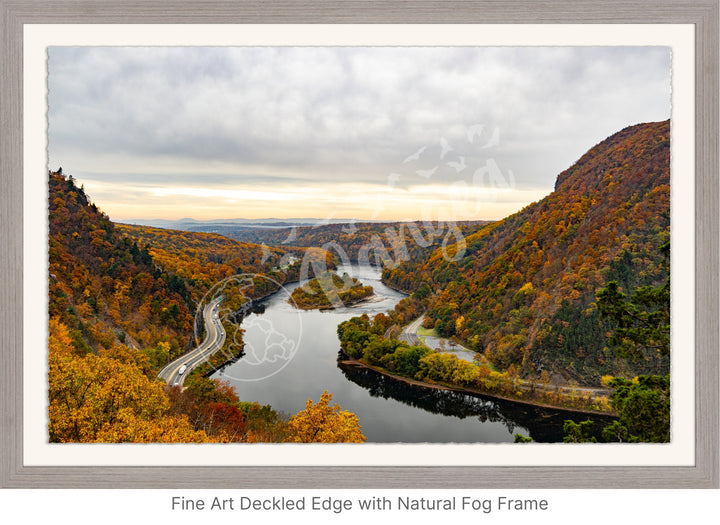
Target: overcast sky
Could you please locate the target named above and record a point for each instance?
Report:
(342, 132)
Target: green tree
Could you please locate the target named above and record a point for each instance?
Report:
(643, 407)
(643, 320)
(579, 432)
(615, 432)
(643, 323)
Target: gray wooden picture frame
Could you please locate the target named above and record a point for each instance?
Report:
(703, 14)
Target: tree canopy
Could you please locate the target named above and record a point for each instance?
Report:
(643, 320)
(322, 423)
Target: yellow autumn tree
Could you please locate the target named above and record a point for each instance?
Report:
(102, 399)
(322, 423)
(129, 428)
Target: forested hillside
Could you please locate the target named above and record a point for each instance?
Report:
(368, 242)
(205, 259)
(202, 258)
(120, 309)
(104, 287)
(524, 291)
(112, 283)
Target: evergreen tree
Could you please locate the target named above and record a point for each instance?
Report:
(643, 321)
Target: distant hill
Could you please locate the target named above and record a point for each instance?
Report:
(214, 225)
(524, 290)
(206, 259)
(369, 242)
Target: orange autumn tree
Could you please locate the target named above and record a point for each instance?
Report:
(322, 423)
(101, 399)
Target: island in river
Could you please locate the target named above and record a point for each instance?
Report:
(328, 291)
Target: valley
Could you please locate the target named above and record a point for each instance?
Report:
(535, 317)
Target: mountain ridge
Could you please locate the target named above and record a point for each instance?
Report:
(525, 284)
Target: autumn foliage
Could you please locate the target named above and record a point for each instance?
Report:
(101, 399)
(105, 287)
(370, 242)
(323, 423)
(204, 259)
(329, 290)
(120, 304)
(523, 292)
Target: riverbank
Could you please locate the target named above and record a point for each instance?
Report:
(292, 356)
(329, 291)
(396, 289)
(346, 359)
(346, 303)
(215, 362)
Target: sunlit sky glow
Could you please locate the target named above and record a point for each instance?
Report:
(338, 132)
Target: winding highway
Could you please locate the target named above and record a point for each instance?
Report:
(409, 332)
(174, 373)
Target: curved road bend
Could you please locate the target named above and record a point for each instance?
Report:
(409, 332)
(409, 335)
(214, 340)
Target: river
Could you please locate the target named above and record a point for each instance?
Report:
(291, 356)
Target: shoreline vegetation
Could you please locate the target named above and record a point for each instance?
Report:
(362, 340)
(347, 360)
(328, 291)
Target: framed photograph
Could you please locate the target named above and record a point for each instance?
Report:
(459, 221)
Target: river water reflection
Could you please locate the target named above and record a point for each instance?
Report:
(292, 356)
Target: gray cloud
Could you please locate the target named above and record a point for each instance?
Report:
(262, 116)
